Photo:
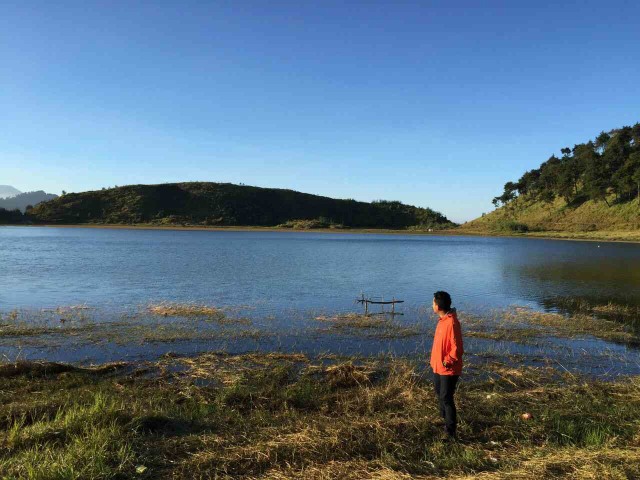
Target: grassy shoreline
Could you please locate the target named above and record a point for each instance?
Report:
(290, 416)
(618, 236)
(294, 415)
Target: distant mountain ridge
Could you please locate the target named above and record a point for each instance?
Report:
(7, 191)
(225, 204)
(22, 200)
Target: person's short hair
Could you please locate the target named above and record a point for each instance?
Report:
(443, 301)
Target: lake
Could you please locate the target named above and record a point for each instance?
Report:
(282, 280)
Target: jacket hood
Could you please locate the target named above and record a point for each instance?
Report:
(451, 313)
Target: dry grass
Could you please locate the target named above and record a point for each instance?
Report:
(588, 221)
(615, 309)
(573, 325)
(354, 469)
(627, 314)
(289, 416)
(572, 464)
(588, 217)
(611, 322)
(167, 309)
(188, 311)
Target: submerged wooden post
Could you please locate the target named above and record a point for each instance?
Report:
(381, 302)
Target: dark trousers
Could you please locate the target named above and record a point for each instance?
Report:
(445, 388)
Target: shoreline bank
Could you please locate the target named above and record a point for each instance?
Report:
(617, 236)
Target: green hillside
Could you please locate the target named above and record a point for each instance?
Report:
(531, 215)
(592, 187)
(224, 204)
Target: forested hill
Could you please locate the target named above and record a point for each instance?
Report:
(592, 186)
(224, 204)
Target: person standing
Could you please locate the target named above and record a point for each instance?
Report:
(446, 358)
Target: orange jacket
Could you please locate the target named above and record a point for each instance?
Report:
(447, 346)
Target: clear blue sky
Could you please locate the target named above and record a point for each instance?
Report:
(435, 104)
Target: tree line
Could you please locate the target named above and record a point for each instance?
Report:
(608, 165)
(8, 217)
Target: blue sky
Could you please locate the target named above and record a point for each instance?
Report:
(435, 104)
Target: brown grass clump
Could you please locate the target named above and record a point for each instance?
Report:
(347, 375)
(227, 369)
(167, 309)
(614, 308)
(192, 311)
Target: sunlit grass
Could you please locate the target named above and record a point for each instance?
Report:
(588, 221)
(292, 416)
(184, 310)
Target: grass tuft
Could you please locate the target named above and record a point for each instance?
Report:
(167, 309)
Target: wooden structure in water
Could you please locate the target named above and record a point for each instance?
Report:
(375, 301)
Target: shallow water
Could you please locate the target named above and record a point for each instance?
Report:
(281, 281)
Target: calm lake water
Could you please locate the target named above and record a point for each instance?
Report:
(282, 281)
(48, 267)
